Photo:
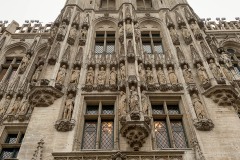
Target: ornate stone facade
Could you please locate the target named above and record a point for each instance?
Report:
(121, 80)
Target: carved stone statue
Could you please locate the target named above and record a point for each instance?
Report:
(187, 73)
(68, 109)
(145, 103)
(90, 77)
(15, 106)
(202, 74)
(122, 71)
(174, 35)
(113, 76)
(23, 108)
(141, 72)
(121, 33)
(215, 69)
(186, 35)
(75, 75)
(101, 76)
(149, 76)
(198, 106)
(172, 76)
(83, 32)
(73, 32)
(227, 73)
(161, 76)
(62, 31)
(133, 100)
(128, 13)
(137, 31)
(61, 75)
(37, 73)
(5, 105)
(129, 30)
(24, 63)
(196, 31)
(226, 59)
(123, 104)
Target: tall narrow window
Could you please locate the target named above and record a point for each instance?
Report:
(99, 127)
(105, 43)
(108, 4)
(151, 43)
(9, 68)
(11, 145)
(168, 126)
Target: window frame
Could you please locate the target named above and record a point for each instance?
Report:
(99, 118)
(105, 40)
(148, 38)
(168, 118)
(144, 2)
(107, 7)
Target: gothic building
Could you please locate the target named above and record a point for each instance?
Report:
(120, 80)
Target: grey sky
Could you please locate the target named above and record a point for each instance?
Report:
(47, 10)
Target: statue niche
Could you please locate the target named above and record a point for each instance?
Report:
(62, 32)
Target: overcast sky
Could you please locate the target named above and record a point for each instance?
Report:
(47, 10)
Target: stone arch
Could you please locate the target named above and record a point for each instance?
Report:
(150, 23)
(105, 24)
(231, 44)
(16, 49)
(41, 49)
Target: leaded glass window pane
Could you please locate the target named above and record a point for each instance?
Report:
(107, 135)
(99, 47)
(162, 139)
(157, 109)
(178, 134)
(11, 139)
(90, 135)
(107, 109)
(173, 109)
(9, 153)
(92, 110)
(147, 48)
(158, 48)
(110, 48)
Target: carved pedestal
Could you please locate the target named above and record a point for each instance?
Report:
(64, 125)
(163, 87)
(136, 132)
(71, 41)
(204, 124)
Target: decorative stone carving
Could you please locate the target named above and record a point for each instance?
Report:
(67, 16)
(133, 100)
(65, 57)
(13, 85)
(61, 77)
(119, 156)
(198, 152)
(75, 75)
(149, 76)
(130, 52)
(186, 35)
(145, 103)
(202, 122)
(72, 35)
(68, 109)
(83, 36)
(23, 108)
(174, 35)
(5, 105)
(196, 31)
(227, 72)
(202, 74)
(205, 50)
(113, 77)
(121, 33)
(14, 109)
(37, 73)
(2, 41)
(141, 72)
(24, 64)
(162, 79)
(101, 79)
(195, 55)
(122, 104)
(172, 76)
(181, 57)
(43, 96)
(122, 72)
(129, 29)
(90, 76)
(136, 133)
(54, 54)
(187, 74)
(39, 151)
(62, 32)
(137, 32)
(216, 72)
(128, 14)
(225, 59)
(79, 58)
